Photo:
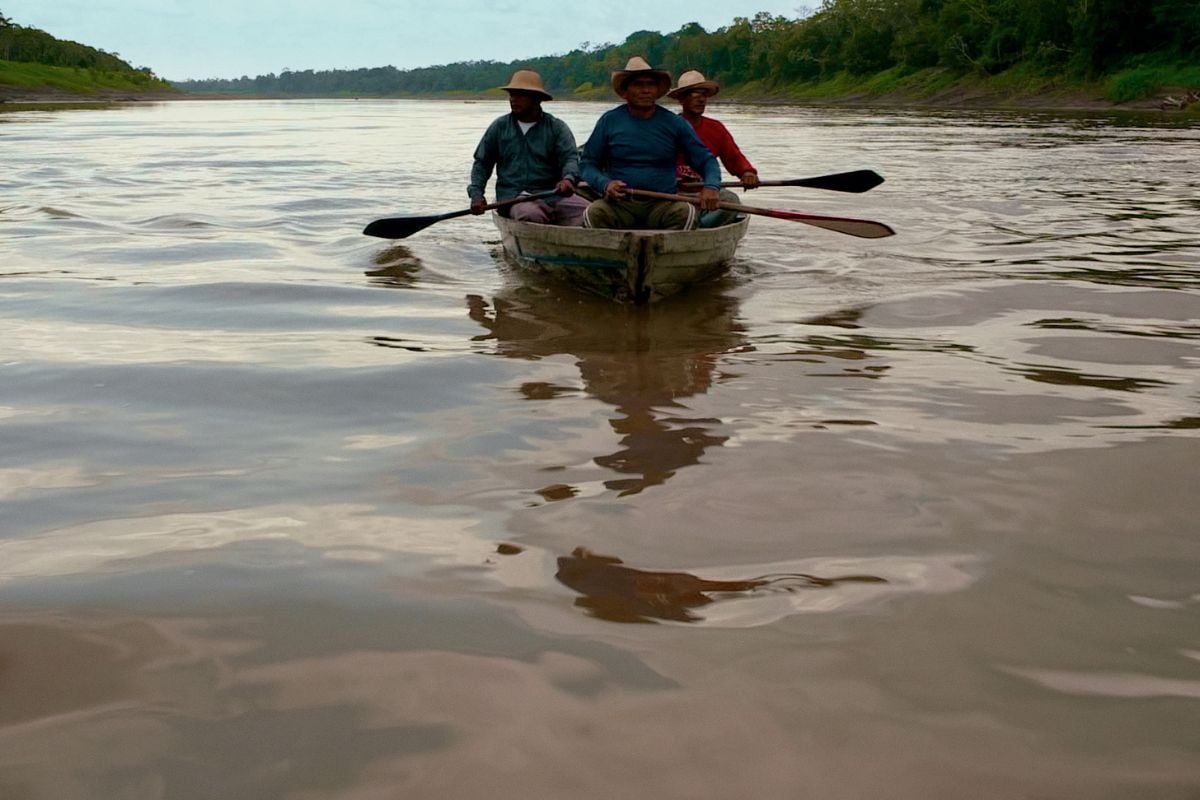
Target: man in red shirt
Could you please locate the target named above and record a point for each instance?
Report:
(692, 93)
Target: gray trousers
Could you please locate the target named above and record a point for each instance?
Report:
(551, 211)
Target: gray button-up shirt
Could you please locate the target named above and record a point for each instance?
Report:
(524, 162)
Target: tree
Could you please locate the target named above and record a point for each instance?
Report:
(1180, 21)
(860, 37)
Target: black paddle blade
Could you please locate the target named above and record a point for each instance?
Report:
(858, 181)
(399, 227)
(403, 227)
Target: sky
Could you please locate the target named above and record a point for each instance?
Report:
(182, 39)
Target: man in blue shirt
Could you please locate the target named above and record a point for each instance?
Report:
(531, 152)
(635, 146)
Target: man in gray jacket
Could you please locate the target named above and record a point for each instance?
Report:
(531, 151)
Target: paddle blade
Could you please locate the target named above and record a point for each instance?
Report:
(858, 181)
(863, 228)
(403, 227)
(399, 227)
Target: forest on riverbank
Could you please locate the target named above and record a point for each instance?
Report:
(1125, 50)
(32, 60)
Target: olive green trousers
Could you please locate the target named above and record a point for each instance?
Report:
(641, 215)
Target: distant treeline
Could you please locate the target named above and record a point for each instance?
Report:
(1082, 39)
(32, 45)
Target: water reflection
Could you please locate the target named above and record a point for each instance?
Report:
(1071, 377)
(395, 266)
(642, 361)
(1154, 276)
(1144, 328)
(617, 593)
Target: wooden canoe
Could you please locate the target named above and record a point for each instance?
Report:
(626, 265)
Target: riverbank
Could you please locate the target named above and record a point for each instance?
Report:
(1140, 89)
(31, 83)
(14, 99)
(964, 95)
(47, 98)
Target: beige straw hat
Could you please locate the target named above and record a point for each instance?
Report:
(692, 80)
(637, 66)
(526, 80)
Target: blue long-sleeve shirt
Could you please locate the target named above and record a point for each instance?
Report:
(524, 162)
(643, 152)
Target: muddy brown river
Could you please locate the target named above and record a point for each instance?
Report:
(289, 512)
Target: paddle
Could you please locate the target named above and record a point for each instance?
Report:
(858, 181)
(403, 227)
(863, 228)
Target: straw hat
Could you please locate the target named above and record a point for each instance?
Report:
(526, 80)
(691, 81)
(636, 67)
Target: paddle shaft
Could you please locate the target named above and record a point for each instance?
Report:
(403, 227)
(512, 201)
(858, 181)
(863, 228)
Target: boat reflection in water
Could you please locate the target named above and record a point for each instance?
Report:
(641, 360)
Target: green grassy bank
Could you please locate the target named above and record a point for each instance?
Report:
(1138, 87)
(26, 79)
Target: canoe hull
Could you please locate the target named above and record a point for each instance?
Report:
(629, 266)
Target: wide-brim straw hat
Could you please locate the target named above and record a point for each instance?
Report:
(635, 67)
(526, 80)
(691, 81)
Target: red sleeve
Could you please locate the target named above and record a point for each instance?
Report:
(718, 139)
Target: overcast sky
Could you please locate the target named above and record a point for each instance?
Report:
(230, 38)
